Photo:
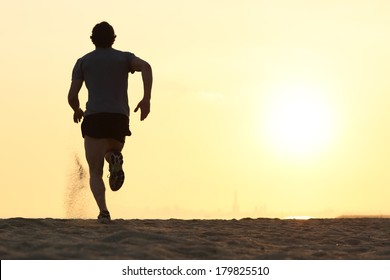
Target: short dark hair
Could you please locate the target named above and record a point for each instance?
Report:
(103, 35)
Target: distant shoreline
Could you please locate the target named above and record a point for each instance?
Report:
(210, 219)
(363, 217)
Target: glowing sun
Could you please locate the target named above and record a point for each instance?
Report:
(298, 121)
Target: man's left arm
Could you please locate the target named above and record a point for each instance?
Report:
(144, 67)
(73, 100)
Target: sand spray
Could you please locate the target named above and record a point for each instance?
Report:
(77, 194)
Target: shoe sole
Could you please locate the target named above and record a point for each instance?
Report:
(117, 176)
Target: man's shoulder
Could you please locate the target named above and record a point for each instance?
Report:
(125, 53)
(86, 55)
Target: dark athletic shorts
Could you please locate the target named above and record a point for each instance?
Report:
(106, 125)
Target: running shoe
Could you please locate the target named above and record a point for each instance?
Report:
(117, 176)
(104, 217)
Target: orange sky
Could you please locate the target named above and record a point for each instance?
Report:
(281, 106)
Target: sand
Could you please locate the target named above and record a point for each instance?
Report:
(244, 239)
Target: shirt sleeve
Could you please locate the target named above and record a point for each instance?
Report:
(77, 73)
(130, 57)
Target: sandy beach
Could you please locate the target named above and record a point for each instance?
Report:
(355, 238)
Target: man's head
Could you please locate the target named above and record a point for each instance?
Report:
(103, 35)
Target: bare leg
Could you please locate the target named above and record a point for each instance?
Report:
(95, 151)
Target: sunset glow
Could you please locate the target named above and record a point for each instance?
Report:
(297, 122)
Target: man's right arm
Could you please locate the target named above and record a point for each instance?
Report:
(73, 100)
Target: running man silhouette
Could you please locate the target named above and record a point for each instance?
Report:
(106, 118)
